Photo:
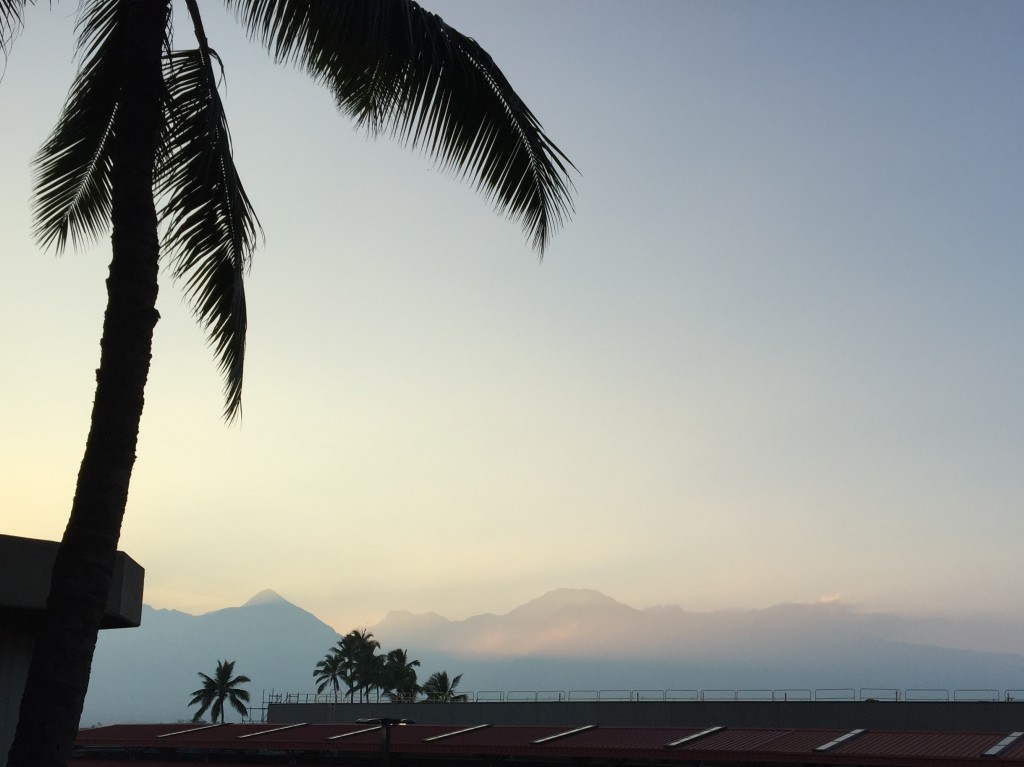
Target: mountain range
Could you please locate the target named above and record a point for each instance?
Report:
(568, 640)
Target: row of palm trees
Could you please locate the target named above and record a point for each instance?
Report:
(354, 663)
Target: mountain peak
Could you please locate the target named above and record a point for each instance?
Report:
(266, 597)
(561, 599)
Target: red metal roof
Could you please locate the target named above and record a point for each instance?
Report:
(937, 744)
(240, 744)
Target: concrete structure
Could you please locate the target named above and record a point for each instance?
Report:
(960, 716)
(25, 566)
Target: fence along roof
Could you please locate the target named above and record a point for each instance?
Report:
(239, 743)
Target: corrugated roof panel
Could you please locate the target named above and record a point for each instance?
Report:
(918, 744)
(505, 736)
(604, 745)
(309, 737)
(1016, 751)
(563, 734)
(454, 733)
(355, 738)
(271, 731)
(692, 737)
(414, 734)
(1004, 744)
(630, 737)
(802, 741)
(209, 734)
(121, 731)
(747, 739)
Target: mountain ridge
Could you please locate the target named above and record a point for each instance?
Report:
(569, 639)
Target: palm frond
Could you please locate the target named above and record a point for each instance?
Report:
(12, 17)
(396, 68)
(210, 226)
(236, 703)
(72, 182)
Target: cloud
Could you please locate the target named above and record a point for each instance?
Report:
(830, 599)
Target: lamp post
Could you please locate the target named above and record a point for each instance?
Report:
(386, 723)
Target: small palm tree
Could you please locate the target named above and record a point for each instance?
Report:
(218, 688)
(439, 689)
(331, 672)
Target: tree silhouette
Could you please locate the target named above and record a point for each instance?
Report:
(219, 688)
(331, 672)
(399, 677)
(439, 689)
(143, 140)
(360, 650)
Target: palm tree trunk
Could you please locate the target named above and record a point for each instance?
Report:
(59, 674)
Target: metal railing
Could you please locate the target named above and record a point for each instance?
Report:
(880, 694)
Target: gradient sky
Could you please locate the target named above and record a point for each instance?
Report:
(775, 356)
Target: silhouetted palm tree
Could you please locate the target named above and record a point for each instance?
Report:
(439, 689)
(219, 688)
(143, 139)
(361, 648)
(330, 672)
(400, 677)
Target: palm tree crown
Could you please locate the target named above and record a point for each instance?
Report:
(439, 689)
(393, 67)
(330, 672)
(222, 686)
(399, 676)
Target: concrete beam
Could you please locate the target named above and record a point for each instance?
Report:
(25, 566)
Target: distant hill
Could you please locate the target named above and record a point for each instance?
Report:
(146, 674)
(583, 640)
(567, 640)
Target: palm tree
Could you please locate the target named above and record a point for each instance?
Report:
(340, 658)
(218, 688)
(143, 123)
(330, 672)
(400, 677)
(361, 649)
(439, 689)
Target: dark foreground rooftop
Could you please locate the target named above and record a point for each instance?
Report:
(605, 746)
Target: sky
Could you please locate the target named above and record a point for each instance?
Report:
(774, 356)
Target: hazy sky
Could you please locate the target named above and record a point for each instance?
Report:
(776, 355)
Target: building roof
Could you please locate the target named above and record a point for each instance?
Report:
(551, 745)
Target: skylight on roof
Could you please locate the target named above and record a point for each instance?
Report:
(694, 736)
(839, 741)
(1004, 744)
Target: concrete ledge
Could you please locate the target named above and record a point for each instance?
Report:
(25, 565)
